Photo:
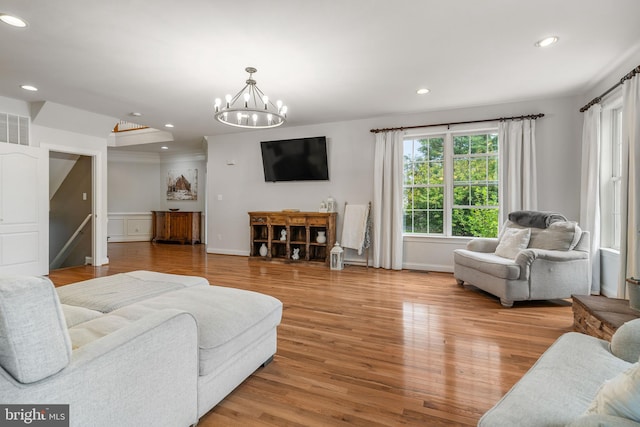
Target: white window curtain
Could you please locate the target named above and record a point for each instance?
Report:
(387, 200)
(517, 148)
(630, 200)
(590, 180)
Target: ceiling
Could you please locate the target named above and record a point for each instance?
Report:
(328, 60)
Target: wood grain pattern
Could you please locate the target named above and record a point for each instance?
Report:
(365, 347)
(183, 227)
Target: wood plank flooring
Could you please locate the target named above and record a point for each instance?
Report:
(364, 347)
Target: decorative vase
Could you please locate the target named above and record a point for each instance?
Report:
(322, 237)
(263, 250)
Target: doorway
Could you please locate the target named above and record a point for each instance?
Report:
(70, 209)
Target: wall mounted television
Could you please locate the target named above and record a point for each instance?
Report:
(302, 159)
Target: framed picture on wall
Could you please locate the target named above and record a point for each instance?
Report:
(182, 184)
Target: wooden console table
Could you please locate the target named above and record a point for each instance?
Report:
(600, 316)
(176, 226)
(282, 233)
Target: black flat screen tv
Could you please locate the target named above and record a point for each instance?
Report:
(302, 159)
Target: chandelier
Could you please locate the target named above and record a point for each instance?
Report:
(250, 108)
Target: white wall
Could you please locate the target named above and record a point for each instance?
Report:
(235, 189)
(137, 181)
(14, 106)
(181, 162)
(137, 186)
(133, 182)
(611, 76)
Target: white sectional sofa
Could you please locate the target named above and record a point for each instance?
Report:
(139, 348)
(580, 381)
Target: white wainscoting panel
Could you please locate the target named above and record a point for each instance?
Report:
(129, 227)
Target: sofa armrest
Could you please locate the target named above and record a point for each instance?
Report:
(483, 244)
(527, 256)
(143, 374)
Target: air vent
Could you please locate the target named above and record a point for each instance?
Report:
(14, 129)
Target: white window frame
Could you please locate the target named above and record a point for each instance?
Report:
(610, 170)
(448, 206)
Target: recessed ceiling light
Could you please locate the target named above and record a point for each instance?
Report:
(14, 21)
(164, 147)
(548, 41)
(168, 125)
(422, 91)
(29, 87)
(134, 114)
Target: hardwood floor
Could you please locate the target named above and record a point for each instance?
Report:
(366, 347)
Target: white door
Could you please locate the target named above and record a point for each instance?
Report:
(24, 210)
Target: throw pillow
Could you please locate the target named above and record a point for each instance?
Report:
(34, 340)
(513, 241)
(559, 236)
(625, 342)
(619, 396)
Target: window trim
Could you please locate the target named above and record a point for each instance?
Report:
(448, 135)
(609, 136)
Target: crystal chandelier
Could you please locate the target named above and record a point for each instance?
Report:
(250, 108)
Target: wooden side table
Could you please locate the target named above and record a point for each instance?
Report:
(600, 316)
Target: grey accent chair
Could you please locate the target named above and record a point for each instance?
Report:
(551, 263)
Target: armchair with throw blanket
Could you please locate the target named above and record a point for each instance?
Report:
(538, 256)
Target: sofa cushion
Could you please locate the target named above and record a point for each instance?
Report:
(489, 263)
(229, 320)
(625, 342)
(109, 293)
(559, 236)
(559, 387)
(34, 342)
(620, 396)
(512, 242)
(75, 315)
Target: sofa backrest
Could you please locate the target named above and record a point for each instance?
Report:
(560, 235)
(34, 340)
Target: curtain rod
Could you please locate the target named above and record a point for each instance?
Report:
(502, 119)
(597, 99)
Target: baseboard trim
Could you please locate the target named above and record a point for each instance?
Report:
(428, 267)
(219, 251)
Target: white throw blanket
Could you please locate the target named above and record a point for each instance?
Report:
(354, 226)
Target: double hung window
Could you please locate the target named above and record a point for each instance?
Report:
(611, 170)
(451, 184)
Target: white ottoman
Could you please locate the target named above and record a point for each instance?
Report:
(236, 328)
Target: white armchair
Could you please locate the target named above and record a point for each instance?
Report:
(536, 264)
